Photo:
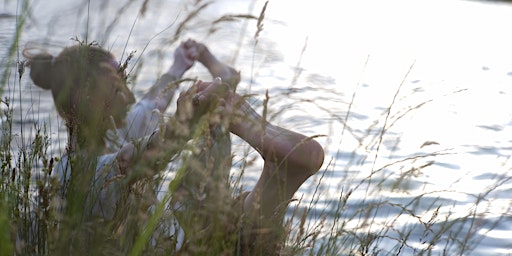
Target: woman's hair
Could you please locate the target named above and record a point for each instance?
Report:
(87, 85)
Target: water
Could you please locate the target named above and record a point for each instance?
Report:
(444, 68)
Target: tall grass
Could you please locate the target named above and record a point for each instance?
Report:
(369, 216)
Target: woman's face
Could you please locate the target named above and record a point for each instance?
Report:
(89, 88)
(113, 92)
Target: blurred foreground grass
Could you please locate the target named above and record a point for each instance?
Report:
(368, 218)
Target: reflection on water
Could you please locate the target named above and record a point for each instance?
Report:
(340, 69)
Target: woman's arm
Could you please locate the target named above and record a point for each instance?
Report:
(274, 143)
(160, 94)
(145, 117)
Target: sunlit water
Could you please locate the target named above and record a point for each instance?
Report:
(437, 75)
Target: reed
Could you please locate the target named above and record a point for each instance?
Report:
(381, 223)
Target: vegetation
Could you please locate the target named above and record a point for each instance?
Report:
(369, 216)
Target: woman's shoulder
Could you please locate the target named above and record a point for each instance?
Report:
(142, 120)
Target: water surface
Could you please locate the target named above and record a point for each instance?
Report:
(413, 98)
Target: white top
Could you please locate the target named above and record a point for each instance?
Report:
(142, 122)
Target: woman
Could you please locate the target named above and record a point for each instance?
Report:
(90, 93)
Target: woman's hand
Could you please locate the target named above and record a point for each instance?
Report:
(201, 98)
(184, 58)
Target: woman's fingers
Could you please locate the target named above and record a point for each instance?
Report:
(204, 97)
(209, 92)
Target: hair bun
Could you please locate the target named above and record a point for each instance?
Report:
(40, 62)
(41, 70)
